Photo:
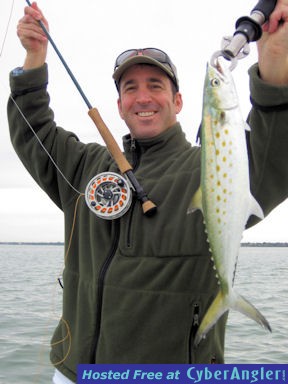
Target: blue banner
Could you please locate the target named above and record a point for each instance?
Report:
(182, 373)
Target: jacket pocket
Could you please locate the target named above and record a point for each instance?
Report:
(144, 327)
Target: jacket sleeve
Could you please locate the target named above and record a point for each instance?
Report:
(268, 142)
(28, 90)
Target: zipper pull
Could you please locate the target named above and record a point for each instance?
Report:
(133, 145)
(196, 315)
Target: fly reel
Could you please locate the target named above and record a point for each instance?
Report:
(108, 195)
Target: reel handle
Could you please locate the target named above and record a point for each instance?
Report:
(148, 207)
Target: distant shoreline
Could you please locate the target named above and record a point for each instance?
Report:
(256, 244)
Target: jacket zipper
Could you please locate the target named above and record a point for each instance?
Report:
(101, 280)
(135, 155)
(194, 328)
(135, 165)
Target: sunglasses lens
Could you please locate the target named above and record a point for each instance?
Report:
(153, 53)
(125, 56)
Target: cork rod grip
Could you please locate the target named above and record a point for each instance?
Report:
(109, 140)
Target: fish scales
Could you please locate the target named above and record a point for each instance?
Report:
(224, 195)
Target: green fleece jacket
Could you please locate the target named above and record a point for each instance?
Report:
(136, 288)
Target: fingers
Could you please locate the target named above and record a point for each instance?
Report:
(29, 30)
(278, 17)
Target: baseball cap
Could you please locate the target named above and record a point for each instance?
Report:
(152, 56)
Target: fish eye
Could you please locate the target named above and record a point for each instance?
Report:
(215, 82)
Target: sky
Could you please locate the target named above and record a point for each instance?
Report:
(90, 35)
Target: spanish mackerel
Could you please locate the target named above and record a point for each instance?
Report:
(224, 195)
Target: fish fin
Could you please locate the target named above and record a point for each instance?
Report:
(242, 305)
(255, 208)
(196, 202)
(218, 307)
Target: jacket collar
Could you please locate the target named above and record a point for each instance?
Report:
(170, 140)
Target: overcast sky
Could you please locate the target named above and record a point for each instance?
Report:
(90, 35)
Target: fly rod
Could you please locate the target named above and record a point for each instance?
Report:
(149, 208)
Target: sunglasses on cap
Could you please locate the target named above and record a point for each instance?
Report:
(152, 56)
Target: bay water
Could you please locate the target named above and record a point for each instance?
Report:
(30, 308)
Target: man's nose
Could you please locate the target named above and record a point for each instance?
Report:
(143, 96)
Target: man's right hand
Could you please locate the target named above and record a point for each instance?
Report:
(32, 36)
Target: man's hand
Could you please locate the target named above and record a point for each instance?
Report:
(273, 46)
(32, 36)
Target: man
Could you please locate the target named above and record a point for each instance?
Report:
(136, 288)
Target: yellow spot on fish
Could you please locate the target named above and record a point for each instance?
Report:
(226, 132)
(218, 183)
(219, 221)
(217, 135)
(218, 168)
(224, 159)
(225, 175)
(218, 198)
(225, 191)
(224, 144)
(217, 152)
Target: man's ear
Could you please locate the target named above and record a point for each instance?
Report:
(178, 102)
(120, 107)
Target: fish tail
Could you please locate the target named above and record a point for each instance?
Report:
(244, 306)
(220, 305)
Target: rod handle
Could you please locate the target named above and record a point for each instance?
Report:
(109, 140)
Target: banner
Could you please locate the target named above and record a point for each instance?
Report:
(182, 373)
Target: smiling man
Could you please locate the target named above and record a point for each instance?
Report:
(149, 98)
(129, 297)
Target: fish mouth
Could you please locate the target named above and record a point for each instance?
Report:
(219, 68)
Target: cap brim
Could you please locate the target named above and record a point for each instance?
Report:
(141, 59)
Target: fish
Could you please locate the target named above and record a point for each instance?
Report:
(224, 195)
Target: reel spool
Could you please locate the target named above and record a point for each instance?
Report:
(108, 195)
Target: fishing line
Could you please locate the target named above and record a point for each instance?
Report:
(68, 336)
(43, 147)
(22, 114)
(7, 28)
(108, 199)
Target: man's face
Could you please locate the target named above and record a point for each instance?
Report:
(146, 102)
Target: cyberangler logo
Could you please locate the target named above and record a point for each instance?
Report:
(241, 374)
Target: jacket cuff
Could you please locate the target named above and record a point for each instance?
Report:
(265, 96)
(28, 81)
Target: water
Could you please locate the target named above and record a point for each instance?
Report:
(30, 306)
